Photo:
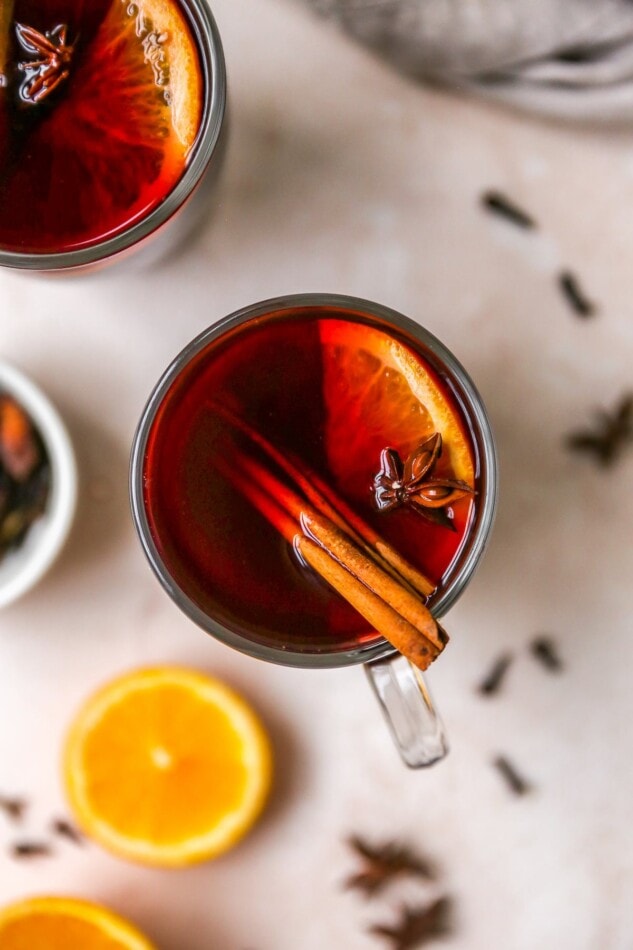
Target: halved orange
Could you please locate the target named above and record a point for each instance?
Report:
(60, 923)
(167, 767)
(379, 393)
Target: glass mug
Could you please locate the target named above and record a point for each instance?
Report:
(157, 466)
(144, 223)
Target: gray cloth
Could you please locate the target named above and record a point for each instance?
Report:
(570, 58)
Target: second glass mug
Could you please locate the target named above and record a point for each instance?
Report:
(158, 229)
(399, 686)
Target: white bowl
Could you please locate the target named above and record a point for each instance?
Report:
(24, 566)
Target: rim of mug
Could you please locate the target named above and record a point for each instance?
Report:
(213, 67)
(465, 562)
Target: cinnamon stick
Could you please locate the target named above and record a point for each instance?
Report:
(389, 606)
(382, 617)
(332, 506)
(374, 578)
(342, 549)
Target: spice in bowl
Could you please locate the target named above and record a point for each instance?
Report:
(25, 474)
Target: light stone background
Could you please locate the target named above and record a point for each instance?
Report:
(344, 177)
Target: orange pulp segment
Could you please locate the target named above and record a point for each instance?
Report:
(58, 923)
(167, 767)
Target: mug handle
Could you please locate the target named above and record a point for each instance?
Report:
(404, 698)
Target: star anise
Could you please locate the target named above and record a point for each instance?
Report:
(382, 863)
(411, 483)
(612, 433)
(51, 67)
(417, 926)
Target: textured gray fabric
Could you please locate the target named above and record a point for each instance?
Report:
(565, 57)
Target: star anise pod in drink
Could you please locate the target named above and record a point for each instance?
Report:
(412, 483)
(50, 67)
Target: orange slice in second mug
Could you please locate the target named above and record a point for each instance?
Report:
(113, 140)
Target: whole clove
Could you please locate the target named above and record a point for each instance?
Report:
(515, 782)
(493, 680)
(13, 808)
(30, 849)
(544, 650)
(501, 205)
(64, 829)
(575, 295)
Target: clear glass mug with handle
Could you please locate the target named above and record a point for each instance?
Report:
(399, 686)
(86, 228)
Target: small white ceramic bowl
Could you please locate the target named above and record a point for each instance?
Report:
(23, 567)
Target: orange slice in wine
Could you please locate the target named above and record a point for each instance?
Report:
(378, 393)
(133, 106)
(58, 923)
(144, 61)
(6, 13)
(167, 767)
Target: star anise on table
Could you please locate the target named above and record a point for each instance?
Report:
(417, 926)
(612, 433)
(382, 863)
(411, 483)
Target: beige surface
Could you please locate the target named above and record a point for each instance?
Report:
(343, 177)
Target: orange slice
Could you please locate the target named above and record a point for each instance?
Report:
(137, 97)
(59, 923)
(378, 388)
(6, 15)
(147, 50)
(140, 79)
(167, 767)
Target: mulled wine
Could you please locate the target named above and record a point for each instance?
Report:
(100, 109)
(309, 476)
